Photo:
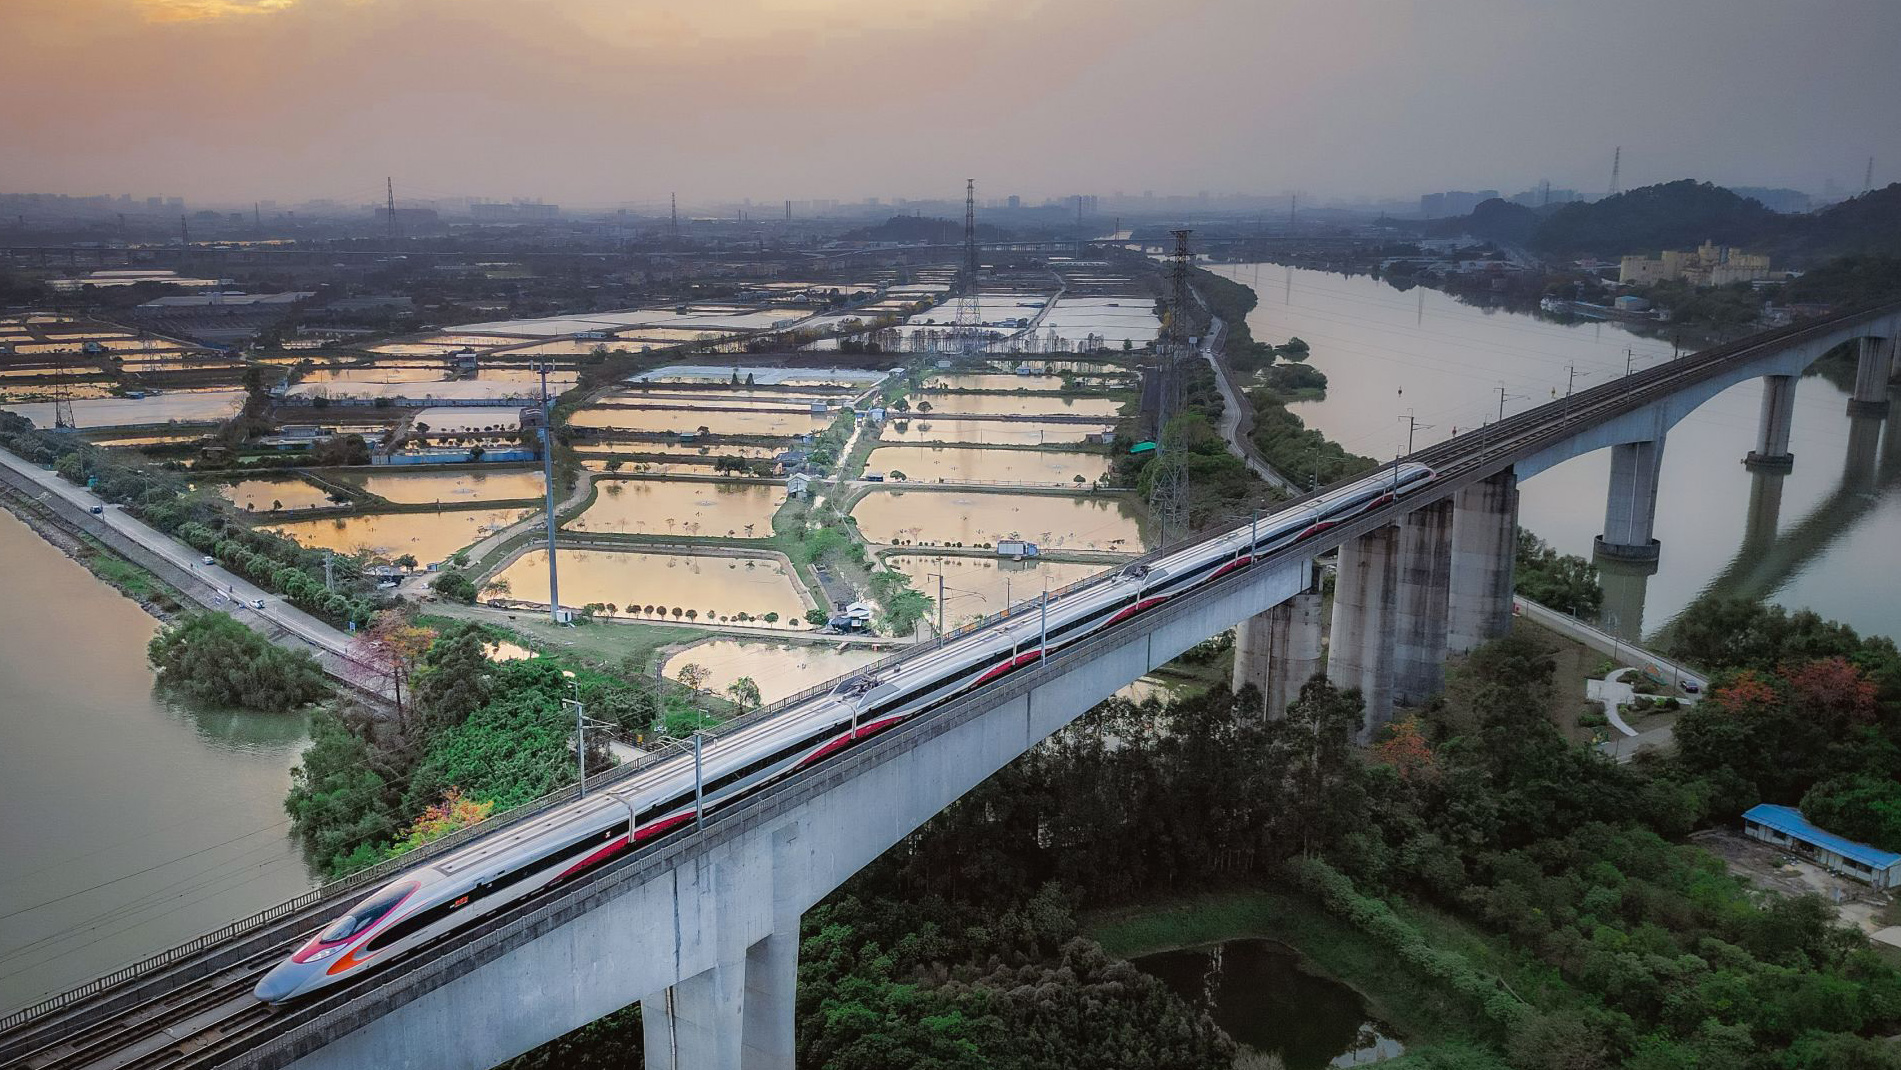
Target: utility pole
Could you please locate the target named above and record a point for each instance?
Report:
(184, 231)
(547, 477)
(1412, 425)
(1630, 358)
(390, 185)
(1868, 176)
(1617, 165)
(968, 330)
(329, 570)
(673, 209)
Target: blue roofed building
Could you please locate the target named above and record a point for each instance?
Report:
(1784, 826)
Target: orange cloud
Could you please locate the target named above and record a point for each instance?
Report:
(198, 10)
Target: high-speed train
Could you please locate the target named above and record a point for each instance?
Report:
(461, 886)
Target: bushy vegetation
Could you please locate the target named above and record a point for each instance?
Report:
(220, 662)
(1564, 582)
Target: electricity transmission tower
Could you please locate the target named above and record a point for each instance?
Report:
(968, 331)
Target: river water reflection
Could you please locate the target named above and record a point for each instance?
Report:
(971, 517)
(133, 822)
(1256, 990)
(1811, 538)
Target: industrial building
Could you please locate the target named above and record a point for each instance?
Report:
(1785, 827)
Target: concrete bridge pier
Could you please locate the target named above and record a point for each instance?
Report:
(1772, 438)
(1871, 378)
(1630, 510)
(1484, 540)
(738, 1014)
(1626, 585)
(1422, 604)
(1365, 599)
(1279, 651)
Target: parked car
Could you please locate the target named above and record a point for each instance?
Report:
(210, 560)
(257, 603)
(98, 510)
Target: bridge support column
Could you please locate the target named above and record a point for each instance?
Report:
(1626, 584)
(1772, 437)
(1425, 585)
(1279, 651)
(1871, 378)
(1484, 539)
(1861, 463)
(772, 979)
(700, 1029)
(1630, 511)
(1365, 596)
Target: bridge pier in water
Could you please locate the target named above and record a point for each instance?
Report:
(1772, 437)
(1279, 651)
(1872, 371)
(1630, 509)
(1423, 604)
(1484, 541)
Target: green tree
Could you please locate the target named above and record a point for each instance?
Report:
(216, 660)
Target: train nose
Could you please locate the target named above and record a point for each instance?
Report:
(282, 982)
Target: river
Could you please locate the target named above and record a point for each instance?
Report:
(1808, 539)
(132, 822)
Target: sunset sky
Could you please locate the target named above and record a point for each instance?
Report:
(595, 102)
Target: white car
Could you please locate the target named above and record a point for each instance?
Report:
(257, 603)
(210, 560)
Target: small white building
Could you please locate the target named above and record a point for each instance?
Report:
(797, 485)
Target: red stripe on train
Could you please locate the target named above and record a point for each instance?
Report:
(1007, 666)
(613, 848)
(1239, 562)
(847, 739)
(1146, 603)
(659, 827)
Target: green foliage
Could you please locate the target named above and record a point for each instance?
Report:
(513, 749)
(903, 606)
(455, 585)
(1849, 280)
(1564, 582)
(218, 661)
(1859, 806)
(1292, 447)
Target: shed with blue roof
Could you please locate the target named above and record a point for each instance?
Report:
(1785, 827)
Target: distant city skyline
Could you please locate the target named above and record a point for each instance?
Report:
(597, 103)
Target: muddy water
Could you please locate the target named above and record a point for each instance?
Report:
(991, 381)
(1027, 405)
(134, 821)
(417, 488)
(975, 587)
(920, 428)
(780, 669)
(775, 424)
(916, 517)
(431, 536)
(711, 585)
(682, 507)
(929, 464)
(266, 494)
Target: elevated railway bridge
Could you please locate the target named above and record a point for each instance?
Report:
(701, 926)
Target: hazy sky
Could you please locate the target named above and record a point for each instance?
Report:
(605, 101)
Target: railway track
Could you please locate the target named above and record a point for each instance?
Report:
(196, 1010)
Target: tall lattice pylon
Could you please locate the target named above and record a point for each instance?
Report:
(969, 326)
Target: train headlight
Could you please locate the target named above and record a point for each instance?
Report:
(328, 952)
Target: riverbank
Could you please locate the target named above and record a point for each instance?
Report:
(153, 595)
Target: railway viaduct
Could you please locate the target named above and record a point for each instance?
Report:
(702, 928)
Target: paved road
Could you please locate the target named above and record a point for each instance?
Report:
(1621, 748)
(212, 586)
(1237, 412)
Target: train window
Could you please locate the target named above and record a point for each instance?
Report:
(366, 913)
